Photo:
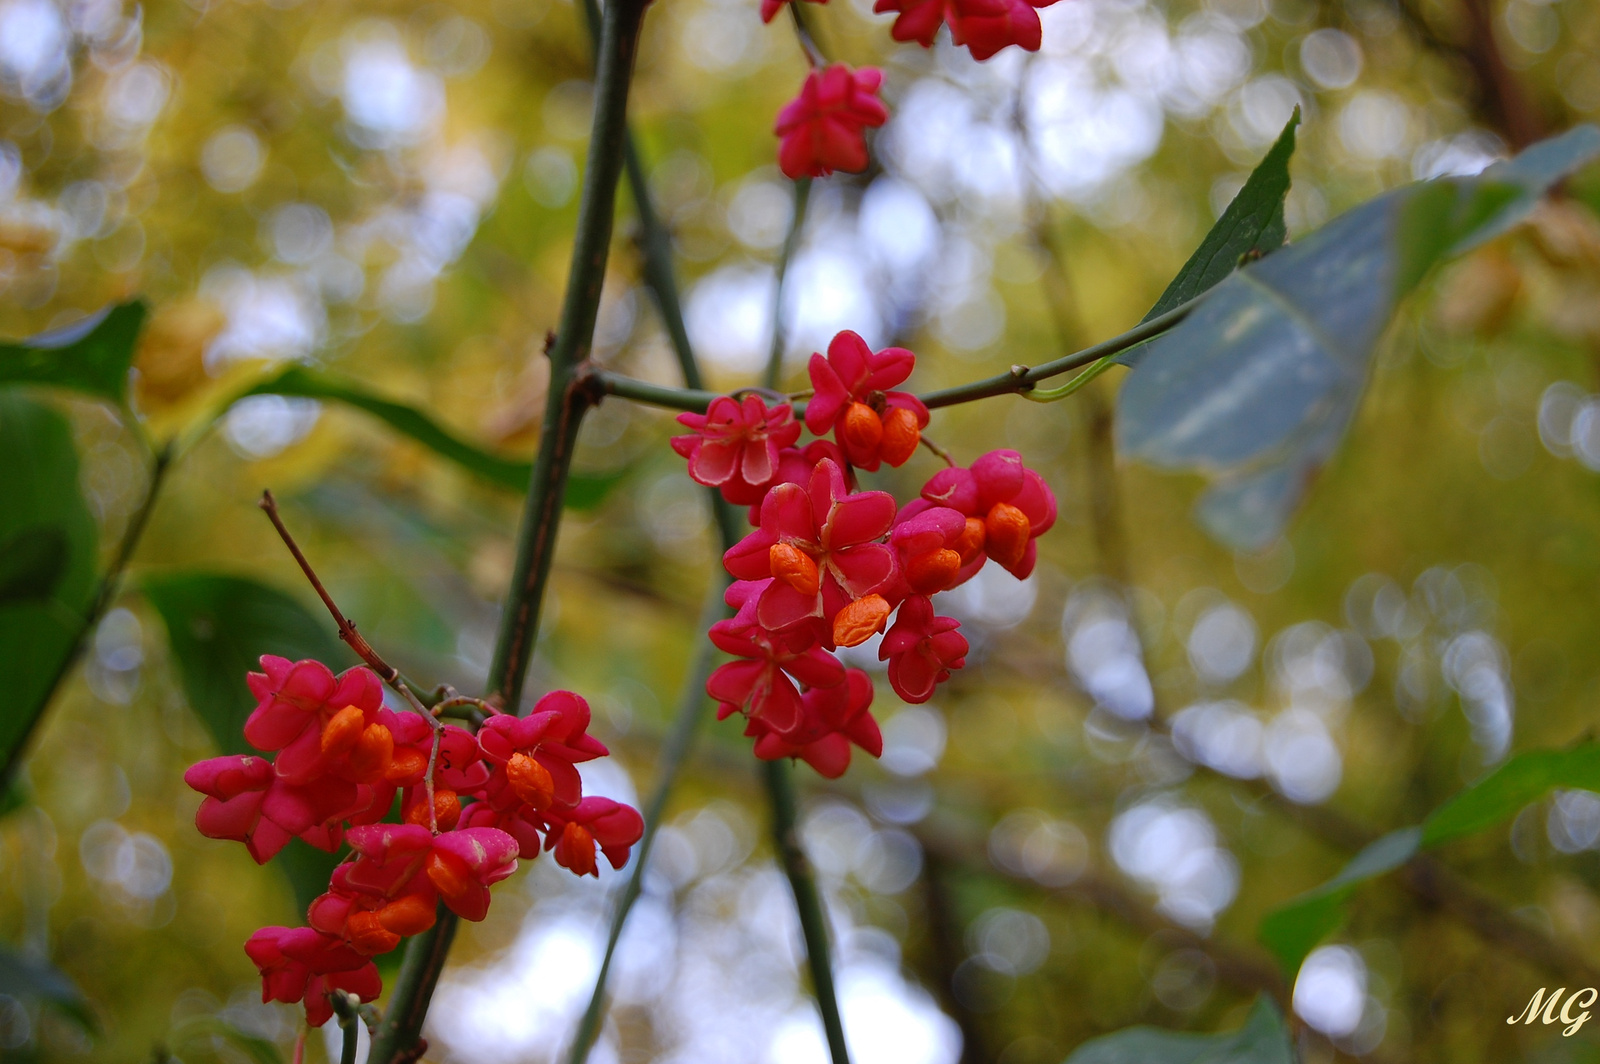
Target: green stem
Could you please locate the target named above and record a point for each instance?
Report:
(347, 1051)
(398, 1038)
(1019, 379)
(691, 711)
(807, 903)
(104, 595)
(349, 1024)
(664, 395)
(791, 242)
(570, 393)
(1023, 378)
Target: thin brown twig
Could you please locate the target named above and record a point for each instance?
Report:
(358, 643)
(347, 631)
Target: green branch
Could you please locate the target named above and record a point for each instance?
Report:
(653, 238)
(571, 394)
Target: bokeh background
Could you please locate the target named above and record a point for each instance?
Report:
(389, 190)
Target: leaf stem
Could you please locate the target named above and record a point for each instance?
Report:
(691, 711)
(807, 901)
(791, 243)
(1023, 378)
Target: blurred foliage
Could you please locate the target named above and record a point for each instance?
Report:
(383, 196)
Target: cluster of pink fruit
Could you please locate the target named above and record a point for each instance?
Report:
(827, 566)
(467, 806)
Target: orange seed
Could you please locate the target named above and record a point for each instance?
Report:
(446, 810)
(530, 781)
(448, 873)
(860, 620)
(900, 436)
(1006, 533)
(578, 846)
(368, 935)
(970, 542)
(409, 763)
(372, 754)
(794, 567)
(409, 915)
(343, 731)
(933, 571)
(862, 428)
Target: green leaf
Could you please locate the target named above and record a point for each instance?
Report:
(218, 626)
(89, 356)
(1531, 174)
(1264, 1039)
(1293, 930)
(1256, 387)
(1252, 225)
(304, 382)
(584, 491)
(32, 563)
(1502, 794)
(47, 562)
(200, 1031)
(26, 977)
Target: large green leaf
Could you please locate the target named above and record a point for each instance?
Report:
(25, 977)
(90, 356)
(1264, 1039)
(1292, 930)
(33, 562)
(47, 562)
(218, 626)
(1251, 226)
(1257, 386)
(584, 491)
(309, 383)
(1502, 793)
